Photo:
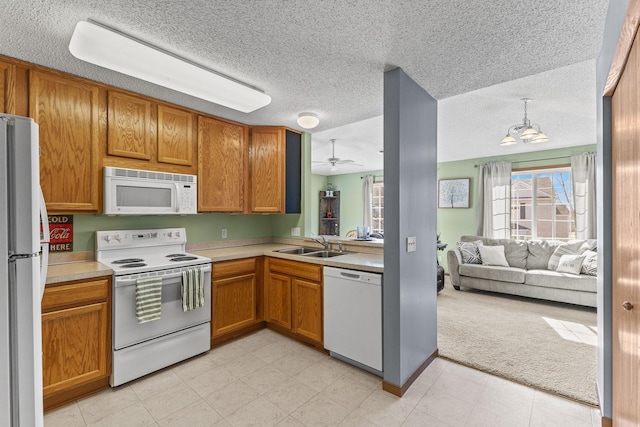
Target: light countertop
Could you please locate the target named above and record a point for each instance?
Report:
(371, 262)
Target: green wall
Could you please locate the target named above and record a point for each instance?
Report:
(200, 228)
(453, 223)
(350, 186)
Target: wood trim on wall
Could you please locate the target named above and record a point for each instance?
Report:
(401, 390)
(627, 35)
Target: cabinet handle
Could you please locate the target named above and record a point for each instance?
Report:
(627, 305)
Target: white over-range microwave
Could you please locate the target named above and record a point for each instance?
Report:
(141, 192)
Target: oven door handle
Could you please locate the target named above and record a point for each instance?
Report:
(132, 279)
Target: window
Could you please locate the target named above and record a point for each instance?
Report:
(377, 221)
(542, 205)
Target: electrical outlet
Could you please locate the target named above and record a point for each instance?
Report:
(295, 231)
(412, 244)
(224, 233)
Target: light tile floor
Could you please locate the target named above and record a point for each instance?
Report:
(267, 379)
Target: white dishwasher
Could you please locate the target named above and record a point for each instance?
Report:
(353, 317)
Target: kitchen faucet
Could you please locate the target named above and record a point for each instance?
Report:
(323, 241)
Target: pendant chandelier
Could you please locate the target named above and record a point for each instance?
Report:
(525, 131)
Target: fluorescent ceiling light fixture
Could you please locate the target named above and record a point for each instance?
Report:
(308, 120)
(116, 51)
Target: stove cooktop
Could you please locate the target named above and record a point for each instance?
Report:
(138, 251)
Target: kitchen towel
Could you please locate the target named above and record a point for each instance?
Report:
(192, 289)
(148, 299)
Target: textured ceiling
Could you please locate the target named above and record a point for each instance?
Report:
(322, 56)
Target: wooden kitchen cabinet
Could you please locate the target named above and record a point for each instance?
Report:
(149, 132)
(235, 298)
(66, 110)
(7, 88)
(293, 299)
(76, 339)
(276, 170)
(130, 127)
(176, 140)
(267, 158)
(223, 157)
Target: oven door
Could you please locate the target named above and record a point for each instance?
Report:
(128, 331)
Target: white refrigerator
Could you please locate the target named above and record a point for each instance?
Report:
(22, 273)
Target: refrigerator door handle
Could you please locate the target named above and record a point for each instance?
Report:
(44, 244)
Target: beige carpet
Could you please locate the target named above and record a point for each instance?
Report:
(509, 337)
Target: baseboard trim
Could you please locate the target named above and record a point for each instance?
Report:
(401, 390)
(607, 422)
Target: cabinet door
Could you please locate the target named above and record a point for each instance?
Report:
(307, 309)
(7, 88)
(175, 136)
(234, 303)
(67, 112)
(75, 346)
(267, 170)
(129, 122)
(222, 165)
(278, 299)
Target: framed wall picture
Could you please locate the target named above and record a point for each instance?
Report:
(453, 193)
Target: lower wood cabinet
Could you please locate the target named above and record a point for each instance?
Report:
(235, 297)
(76, 339)
(293, 298)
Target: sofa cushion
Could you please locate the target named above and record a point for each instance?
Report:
(502, 274)
(574, 247)
(590, 263)
(515, 251)
(570, 263)
(553, 279)
(539, 253)
(493, 255)
(469, 252)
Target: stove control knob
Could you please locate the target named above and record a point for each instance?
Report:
(118, 238)
(107, 238)
(177, 234)
(170, 234)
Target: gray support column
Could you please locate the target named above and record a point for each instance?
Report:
(410, 181)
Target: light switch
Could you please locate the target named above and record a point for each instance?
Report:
(224, 233)
(295, 231)
(411, 244)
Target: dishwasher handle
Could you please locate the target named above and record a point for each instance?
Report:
(353, 276)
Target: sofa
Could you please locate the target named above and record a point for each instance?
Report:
(543, 269)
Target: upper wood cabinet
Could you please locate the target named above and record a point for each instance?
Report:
(129, 124)
(222, 165)
(176, 142)
(7, 88)
(66, 111)
(267, 163)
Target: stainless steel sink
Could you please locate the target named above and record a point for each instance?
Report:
(297, 251)
(324, 254)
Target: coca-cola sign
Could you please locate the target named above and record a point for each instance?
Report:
(61, 233)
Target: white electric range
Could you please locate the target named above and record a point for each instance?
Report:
(142, 348)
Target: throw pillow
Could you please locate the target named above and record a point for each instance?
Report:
(469, 252)
(493, 255)
(563, 249)
(570, 264)
(590, 263)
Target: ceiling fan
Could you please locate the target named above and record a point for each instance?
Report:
(334, 161)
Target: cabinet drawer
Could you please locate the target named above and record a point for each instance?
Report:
(233, 268)
(296, 269)
(74, 294)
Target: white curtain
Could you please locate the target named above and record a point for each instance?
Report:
(494, 200)
(367, 200)
(583, 177)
